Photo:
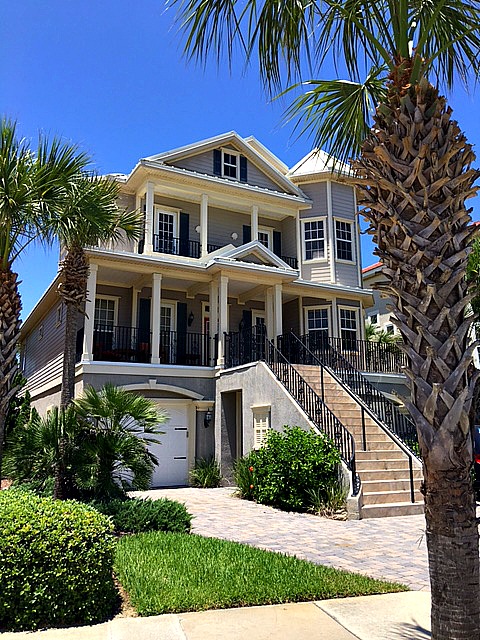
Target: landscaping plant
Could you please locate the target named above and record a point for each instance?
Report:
(288, 467)
(206, 473)
(136, 515)
(56, 563)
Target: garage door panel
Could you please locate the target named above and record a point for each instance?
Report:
(172, 453)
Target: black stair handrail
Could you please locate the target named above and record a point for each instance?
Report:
(385, 413)
(314, 407)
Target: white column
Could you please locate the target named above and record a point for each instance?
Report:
(155, 316)
(204, 224)
(254, 222)
(89, 313)
(213, 302)
(299, 244)
(149, 217)
(277, 309)
(331, 234)
(223, 319)
(269, 313)
(138, 206)
(335, 330)
(358, 252)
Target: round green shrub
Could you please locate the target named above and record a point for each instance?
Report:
(136, 515)
(56, 561)
(291, 471)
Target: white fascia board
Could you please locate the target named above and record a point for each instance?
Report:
(251, 266)
(336, 288)
(45, 302)
(298, 197)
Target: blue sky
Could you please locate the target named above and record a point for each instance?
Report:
(110, 76)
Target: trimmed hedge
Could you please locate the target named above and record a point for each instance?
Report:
(56, 562)
(137, 516)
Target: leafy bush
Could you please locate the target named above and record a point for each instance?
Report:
(243, 476)
(56, 562)
(136, 515)
(206, 473)
(286, 470)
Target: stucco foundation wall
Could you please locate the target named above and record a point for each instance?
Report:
(259, 387)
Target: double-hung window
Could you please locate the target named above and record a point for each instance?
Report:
(230, 164)
(317, 326)
(314, 239)
(344, 238)
(348, 329)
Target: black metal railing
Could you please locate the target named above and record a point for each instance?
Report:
(312, 404)
(176, 246)
(371, 357)
(121, 344)
(184, 348)
(292, 262)
(379, 406)
(247, 345)
(309, 350)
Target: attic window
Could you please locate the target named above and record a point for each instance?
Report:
(229, 164)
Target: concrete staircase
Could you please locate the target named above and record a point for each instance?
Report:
(382, 465)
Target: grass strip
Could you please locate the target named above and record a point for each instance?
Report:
(169, 572)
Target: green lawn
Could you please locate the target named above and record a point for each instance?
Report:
(168, 572)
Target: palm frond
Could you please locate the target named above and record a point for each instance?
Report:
(337, 113)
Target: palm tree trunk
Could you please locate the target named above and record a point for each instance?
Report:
(73, 291)
(10, 307)
(415, 176)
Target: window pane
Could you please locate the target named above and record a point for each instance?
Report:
(263, 238)
(344, 240)
(104, 313)
(314, 240)
(348, 328)
(229, 165)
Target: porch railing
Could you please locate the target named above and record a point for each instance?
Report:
(121, 344)
(176, 246)
(245, 346)
(130, 344)
(314, 407)
(368, 356)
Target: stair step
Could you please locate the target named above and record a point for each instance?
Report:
(389, 497)
(392, 509)
(381, 454)
(371, 465)
(377, 475)
(388, 484)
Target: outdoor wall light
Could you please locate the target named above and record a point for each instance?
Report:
(234, 236)
(207, 421)
(197, 228)
(191, 318)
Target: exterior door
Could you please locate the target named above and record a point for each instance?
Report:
(172, 453)
(167, 342)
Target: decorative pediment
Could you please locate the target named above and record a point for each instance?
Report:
(253, 252)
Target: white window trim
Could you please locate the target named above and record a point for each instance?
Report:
(260, 413)
(269, 232)
(353, 243)
(314, 308)
(59, 315)
(115, 309)
(325, 240)
(257, 313)
(160, 208)
(172, 304)
(357, 320)
(230, 152)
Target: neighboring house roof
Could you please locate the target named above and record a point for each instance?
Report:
(250, 147)
(372, 267)
(317, 163)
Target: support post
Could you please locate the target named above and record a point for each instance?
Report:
(204, 225)
(155, 316)
(223, 319)
(90, 313)
(149, 207)
(277, 309)
(254, 222)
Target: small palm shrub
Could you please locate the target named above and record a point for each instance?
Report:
(285, 471)
(206, 473)
(137, 516)
(56, 562)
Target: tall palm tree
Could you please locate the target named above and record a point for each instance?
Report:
(33, 184)
(89, 215)
(414, 174)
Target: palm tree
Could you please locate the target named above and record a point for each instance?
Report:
(90, 215)
(32, 186)
(414, 175)
(120, 426)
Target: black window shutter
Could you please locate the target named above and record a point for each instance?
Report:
(277, 243)
(217, 162)
(247, 233)
(181, 332)
(247, 318)
(246, 335)
(184, 234)
(243, 169)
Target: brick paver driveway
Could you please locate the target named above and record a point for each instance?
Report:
(391, 548)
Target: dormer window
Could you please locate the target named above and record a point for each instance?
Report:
(229, 164)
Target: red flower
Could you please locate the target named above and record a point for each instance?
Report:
(251, 486)
(250, 468)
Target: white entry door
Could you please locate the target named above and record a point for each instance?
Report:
(172, 453)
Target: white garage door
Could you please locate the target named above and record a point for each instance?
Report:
(172, 453)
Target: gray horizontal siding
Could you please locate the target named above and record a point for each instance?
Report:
(317, 192)
(39, 350)
(347, 274)
(288, 229)
(316, 271)
(221, 225)
(343, 200)
(124, 304)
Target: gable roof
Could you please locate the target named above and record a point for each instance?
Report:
(256, 250)
(249, 147)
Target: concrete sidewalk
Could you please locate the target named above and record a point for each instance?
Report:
(393, 616)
